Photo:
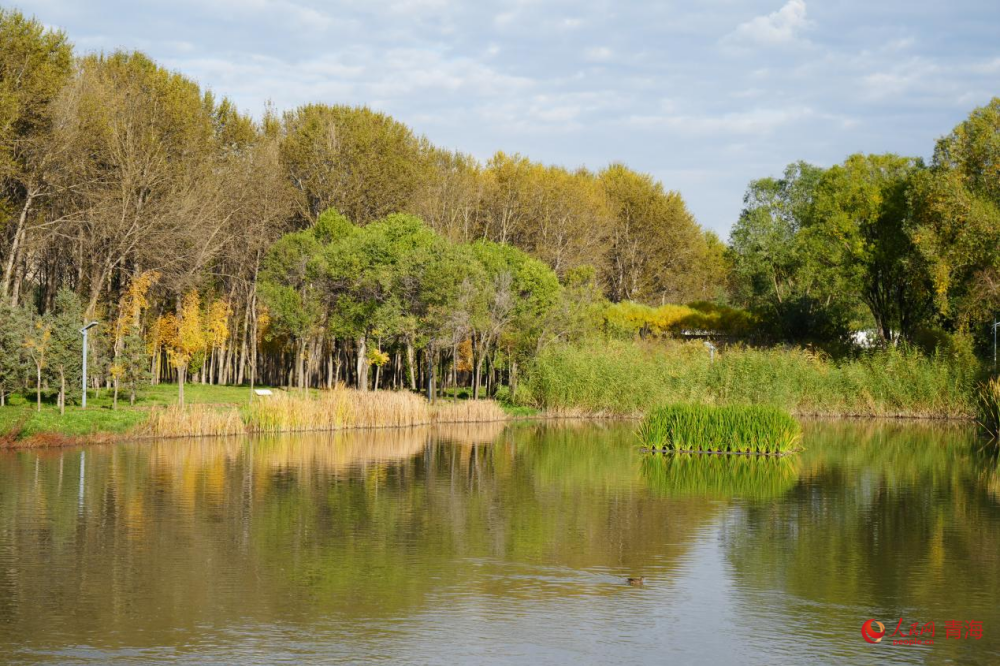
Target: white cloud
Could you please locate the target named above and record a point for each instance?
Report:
(987, 67)
(752, 122)
(599, 54)
(898, 78)
(781, 27)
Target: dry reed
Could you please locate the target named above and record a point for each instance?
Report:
(336, 409)
(193, 421)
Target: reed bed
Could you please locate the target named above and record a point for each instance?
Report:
(193, 421)
(988, 408)
(757, 429)
(626, 378)
(337, 409)
(467, 411)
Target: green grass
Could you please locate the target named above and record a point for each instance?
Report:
(730, 429)
(628, 378)
(74, 423)
(21, 416)
(520, 411)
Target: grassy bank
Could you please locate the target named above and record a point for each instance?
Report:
(225, 410)
(19, 419)
(626, 378)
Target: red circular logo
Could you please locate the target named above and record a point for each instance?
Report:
(873, 631)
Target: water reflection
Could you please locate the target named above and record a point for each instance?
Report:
(489, 542)
(720, 476)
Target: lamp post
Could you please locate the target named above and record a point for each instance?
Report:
(84, 331)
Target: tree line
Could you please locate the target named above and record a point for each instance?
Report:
(333, 244)
(115, 172)
(907, 249)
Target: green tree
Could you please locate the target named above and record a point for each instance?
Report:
(856, 239)
(290, 288)
(65, 356)
(34, 65)
(519, 294)
(772, 266)
(956, 221)
(392, 278)
(14, 323)
(132, 366)
(36, 344)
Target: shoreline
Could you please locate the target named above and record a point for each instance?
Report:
(53, 439)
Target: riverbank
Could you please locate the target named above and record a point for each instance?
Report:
(616, 380)
(211, 411)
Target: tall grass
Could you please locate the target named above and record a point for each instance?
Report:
(626, 378)
(192, 421)
(988, 407)
(340, 408)
(731, 429)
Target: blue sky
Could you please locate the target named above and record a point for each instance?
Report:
(704, 95)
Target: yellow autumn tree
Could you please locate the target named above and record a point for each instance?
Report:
(216, 333)
(183, 337)
(129, 362)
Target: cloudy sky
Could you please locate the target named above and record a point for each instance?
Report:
(704, 95)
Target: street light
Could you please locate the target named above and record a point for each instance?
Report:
(84, 331)
(711, 351)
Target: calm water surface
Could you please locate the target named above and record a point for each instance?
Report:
(497, 544)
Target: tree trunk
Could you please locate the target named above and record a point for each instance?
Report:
(181, 373)
(410, 363)
(8, 269)
(362, 362)
(329, 370)
(38, 387)
(479, 373)
(300, 363)
(430, 374)
(241, 364)
(114, 399)
(62, 392)
(454, 367)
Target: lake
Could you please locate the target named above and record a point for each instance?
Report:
(502, 543)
